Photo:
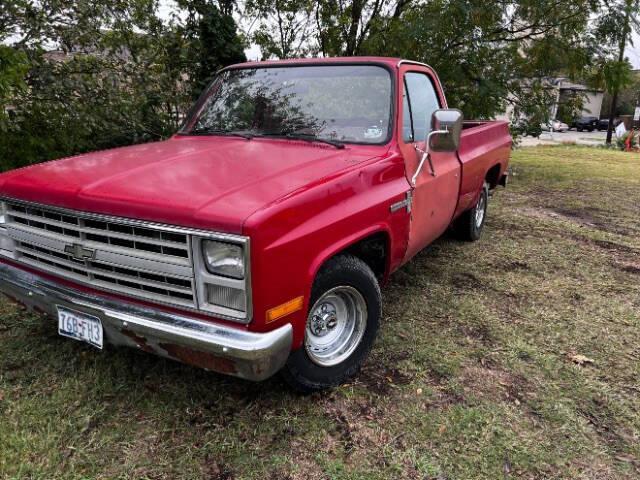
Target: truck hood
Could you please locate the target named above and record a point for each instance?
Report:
(202, 182)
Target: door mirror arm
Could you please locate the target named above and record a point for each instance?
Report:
(445, 137)
(426, 156)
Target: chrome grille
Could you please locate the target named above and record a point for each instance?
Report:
(150, 262)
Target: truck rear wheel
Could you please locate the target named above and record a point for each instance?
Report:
(342, 324)
(471, 223)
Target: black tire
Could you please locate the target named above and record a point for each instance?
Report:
(579, 129)
(301, 371)
(466, 227)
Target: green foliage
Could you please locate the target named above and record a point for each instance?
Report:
(284, 27)
(627, 98)
(491, 55)
(630, 138)
(122, 74)
(614, 31)
(13, 68)
(568, 105)
(213, 42)
(119, 74)
(613, 75)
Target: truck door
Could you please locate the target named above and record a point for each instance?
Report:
(436, 191)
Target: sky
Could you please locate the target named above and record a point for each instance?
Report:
(633, 52)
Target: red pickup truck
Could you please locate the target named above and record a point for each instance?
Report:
(255, 239)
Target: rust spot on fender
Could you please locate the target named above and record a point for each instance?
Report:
(197, 358)
(141, 342)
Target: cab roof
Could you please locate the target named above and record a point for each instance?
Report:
(390, 61)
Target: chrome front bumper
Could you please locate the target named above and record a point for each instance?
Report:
(252, 356)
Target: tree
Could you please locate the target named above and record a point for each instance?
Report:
(627, 98)
(13, 68)
(119, 74)
(613, 72)
(491, 55)
(285, 27)
(213, 42)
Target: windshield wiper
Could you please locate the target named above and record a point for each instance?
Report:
(307, 137)
(218, 131)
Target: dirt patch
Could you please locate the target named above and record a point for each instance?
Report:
(515, 266)
(613, 246)
(633, 268)
(13, 366)
(622, 255)
(281, 475)
(285, 434)
(494, 384)
(353, 427)
(466, 281)
(595, 469)
(598, 414)
(345, 431)
(382, 381)
(217, 470)
(444, 398)
(480, 332)
(583, 217)
(306, 470)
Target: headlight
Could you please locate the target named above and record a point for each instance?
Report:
(225, 259)
(223, 276)
(7, 245)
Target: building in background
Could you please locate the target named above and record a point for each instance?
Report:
(565, 94)
(567, 91)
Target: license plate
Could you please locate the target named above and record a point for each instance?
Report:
(80, 326)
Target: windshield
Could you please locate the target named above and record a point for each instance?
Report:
(346, 103)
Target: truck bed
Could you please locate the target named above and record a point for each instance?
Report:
(483, 145)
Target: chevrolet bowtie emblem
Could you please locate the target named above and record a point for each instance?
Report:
(78, 252)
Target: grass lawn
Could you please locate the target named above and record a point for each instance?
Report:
(514, 357)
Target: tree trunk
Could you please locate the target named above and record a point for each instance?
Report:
(612, 116)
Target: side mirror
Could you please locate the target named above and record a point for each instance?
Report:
(446, 130)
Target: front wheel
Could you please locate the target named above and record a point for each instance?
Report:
(342, 324)
(471, 223)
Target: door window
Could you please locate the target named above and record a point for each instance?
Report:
(420, 101)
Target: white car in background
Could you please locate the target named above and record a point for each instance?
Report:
(555, 126)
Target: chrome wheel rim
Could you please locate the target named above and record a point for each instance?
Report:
(335, 326)
(480, 210)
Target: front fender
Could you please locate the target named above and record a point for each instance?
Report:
(293, 239)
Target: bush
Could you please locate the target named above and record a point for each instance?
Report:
(120, 76)
(629, 141)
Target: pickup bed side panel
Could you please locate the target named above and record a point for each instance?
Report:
(483, 146)
(295, 237)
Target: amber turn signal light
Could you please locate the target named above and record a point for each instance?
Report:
(285, 309)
